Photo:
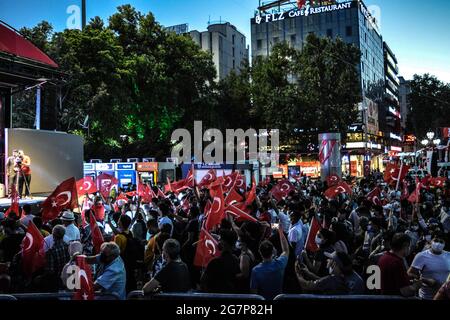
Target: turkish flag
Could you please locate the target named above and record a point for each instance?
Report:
(145, 192)
(84, 274)
(99, 211)
(438, 182)
(374, 196)
(228, 181)
(14, 203)
(392, 173)
(251, 196)
(312, 233)
(207, 208)
(105, 182)
(217, 212)
(239, 214)
(415, 195)
(405, 191)
(190, 180)
(233, 196)
(209, 178)
(282, 189)
(33, 253)
(207, 249)
(333, 180)
(266, 181)
(64, 197)
(341, 187)
(186, 206)
(96, 234)
(239, 182)
(122, 199)
(86, 185)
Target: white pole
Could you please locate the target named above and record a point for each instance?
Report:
(399, 175)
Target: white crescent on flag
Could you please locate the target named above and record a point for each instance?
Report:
(219, 205)
(68, 195)
(86, 185)
(340, 189)
(82, 273)
(211, 247)
(30, 239)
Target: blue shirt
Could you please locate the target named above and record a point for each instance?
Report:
(113, 278)
(267, 277)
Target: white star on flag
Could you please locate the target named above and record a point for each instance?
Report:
(54, 204)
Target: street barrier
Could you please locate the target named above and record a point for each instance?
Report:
(285, 297)
(61, 296)
(7, 297)
(139, 295)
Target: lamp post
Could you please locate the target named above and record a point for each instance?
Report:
(430, 142)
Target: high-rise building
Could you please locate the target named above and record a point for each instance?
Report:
(226, 44)
(404, 91)
(353, 23)
(390, 114)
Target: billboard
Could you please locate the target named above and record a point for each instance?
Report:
(55, 156)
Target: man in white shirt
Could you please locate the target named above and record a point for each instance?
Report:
(295, 234)
(432, 266)
(72, 232)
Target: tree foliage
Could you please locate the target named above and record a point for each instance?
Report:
(429, 106)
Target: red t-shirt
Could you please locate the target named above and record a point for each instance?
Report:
(393, 274)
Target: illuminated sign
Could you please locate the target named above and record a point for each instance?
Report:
(362, 145)
(409, 139)
(125, 166)
(147, 166)
(306, 10)
(395, 112)
(398, 149)
(395, 137)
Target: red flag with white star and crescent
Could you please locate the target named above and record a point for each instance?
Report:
(64, 197)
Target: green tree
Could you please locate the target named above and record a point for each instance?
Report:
(429, 105)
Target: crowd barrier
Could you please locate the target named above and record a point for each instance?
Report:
(61, 296)
(7, 297)
(139, 295)
(285, 297)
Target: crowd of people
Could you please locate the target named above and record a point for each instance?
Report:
(152, 246)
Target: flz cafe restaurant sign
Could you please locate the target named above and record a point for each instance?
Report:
(306, 11)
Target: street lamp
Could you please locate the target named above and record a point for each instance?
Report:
(437, 142)
(430, 135)
(425, 142)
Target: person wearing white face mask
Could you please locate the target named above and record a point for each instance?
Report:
(432, 266)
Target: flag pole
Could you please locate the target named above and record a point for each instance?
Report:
(399, 175)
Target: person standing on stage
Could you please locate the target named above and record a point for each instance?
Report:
(25, 174)
(12, 168)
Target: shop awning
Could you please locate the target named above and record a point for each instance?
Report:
(13, 43)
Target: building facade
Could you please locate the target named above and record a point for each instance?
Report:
(352, 22)
(227, 45)
(391, 116)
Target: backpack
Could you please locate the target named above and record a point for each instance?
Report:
(134, 251)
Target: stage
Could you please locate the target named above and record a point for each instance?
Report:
(5, 203)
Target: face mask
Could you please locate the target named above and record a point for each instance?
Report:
(428, 238)
(369, 229)
(238, 245)
(319, 240)
(437, 246)
(414, 228)
(330, 270)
